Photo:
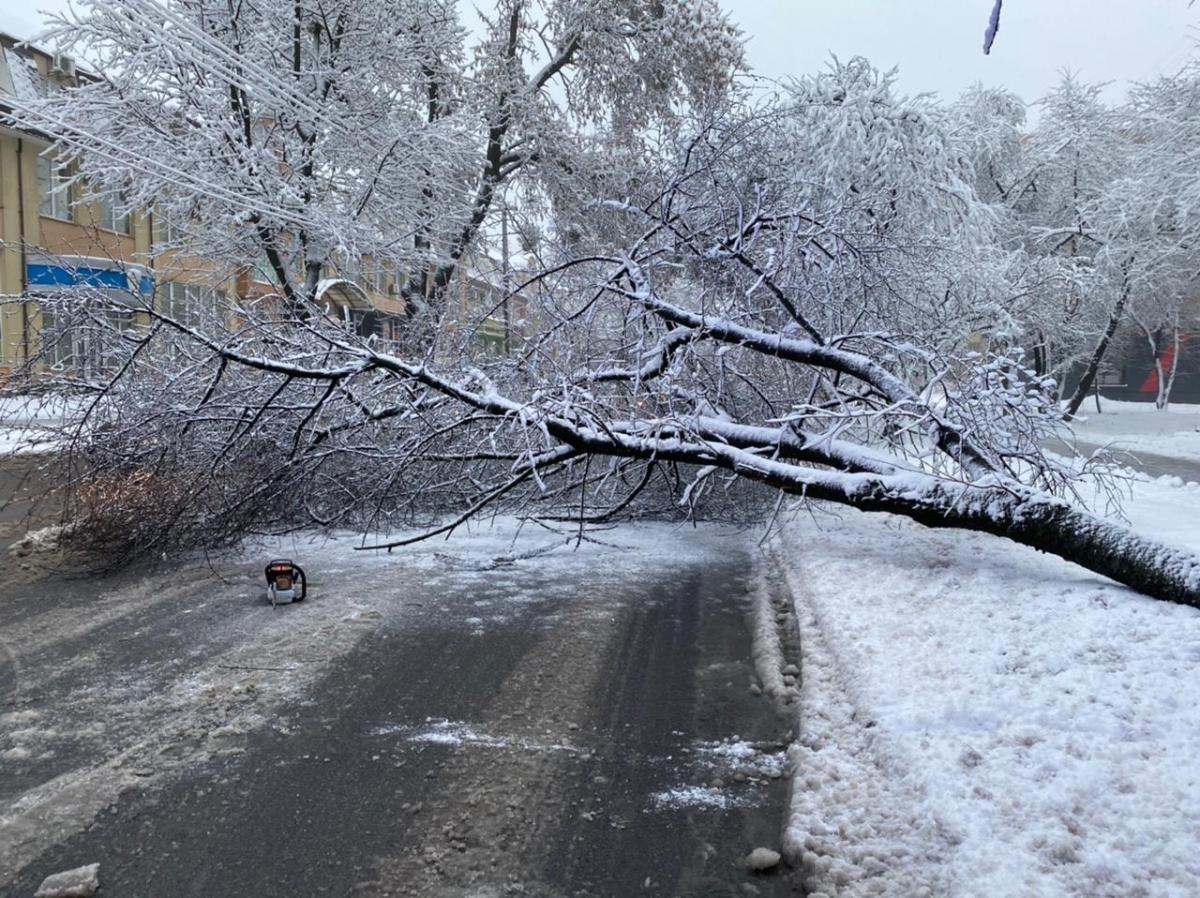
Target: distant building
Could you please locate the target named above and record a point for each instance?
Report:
(54, 236)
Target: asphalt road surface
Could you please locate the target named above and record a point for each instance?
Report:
(1149, 463)
(1146, 462)
(433, 724)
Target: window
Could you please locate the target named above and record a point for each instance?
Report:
(193, 305)
(109, 218)
(81, 339)
(174, 229)
(54, 188)
(489, 339)
(372, 278)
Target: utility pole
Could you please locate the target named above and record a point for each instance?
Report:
(505, 273)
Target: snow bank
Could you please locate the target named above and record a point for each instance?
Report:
(979, 719)
(767, 645)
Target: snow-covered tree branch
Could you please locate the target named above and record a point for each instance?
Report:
(774, 317)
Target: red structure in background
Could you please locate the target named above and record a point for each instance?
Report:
(1150, 385)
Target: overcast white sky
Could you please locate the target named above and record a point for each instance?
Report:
(936, 43)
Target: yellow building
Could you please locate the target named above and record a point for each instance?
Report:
(56, 237)
(53, 235)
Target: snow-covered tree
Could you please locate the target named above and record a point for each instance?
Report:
(1088, 218)
(1067, 219)
(1158, 266)
(882, 170)
(989, 130)
(1161, 213)
(689, 362)
(290, 134)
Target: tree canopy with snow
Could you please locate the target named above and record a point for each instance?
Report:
(291, 135)
(824, 293)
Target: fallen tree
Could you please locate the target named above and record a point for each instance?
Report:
(784, 318)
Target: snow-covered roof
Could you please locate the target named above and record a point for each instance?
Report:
(19, 77)
(343, 292)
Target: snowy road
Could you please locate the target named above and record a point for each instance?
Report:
(1150, 463)
(429, 724)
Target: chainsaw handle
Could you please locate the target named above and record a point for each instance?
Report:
(303, 581)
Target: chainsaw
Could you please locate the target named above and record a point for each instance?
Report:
(286, 582)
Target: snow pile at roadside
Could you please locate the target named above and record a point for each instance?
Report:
(1140, 427)
(979, 719)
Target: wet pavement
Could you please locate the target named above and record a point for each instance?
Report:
(422, 725)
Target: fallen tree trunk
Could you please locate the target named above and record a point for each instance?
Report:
(824, 470)
(1040, 522)
(1074, 535)
(1011, 511)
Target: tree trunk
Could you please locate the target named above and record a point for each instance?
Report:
(770, 457)
(1041, 522)
(1156, 354)
(1054, 527)
(1164, 388)
(1040, 364)
(1160, 383)
(1081, 538)
(1093, 368)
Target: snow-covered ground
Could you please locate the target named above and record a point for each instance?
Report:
(980, 719)
(1140, 427)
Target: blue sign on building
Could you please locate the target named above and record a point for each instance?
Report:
(128, 284)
